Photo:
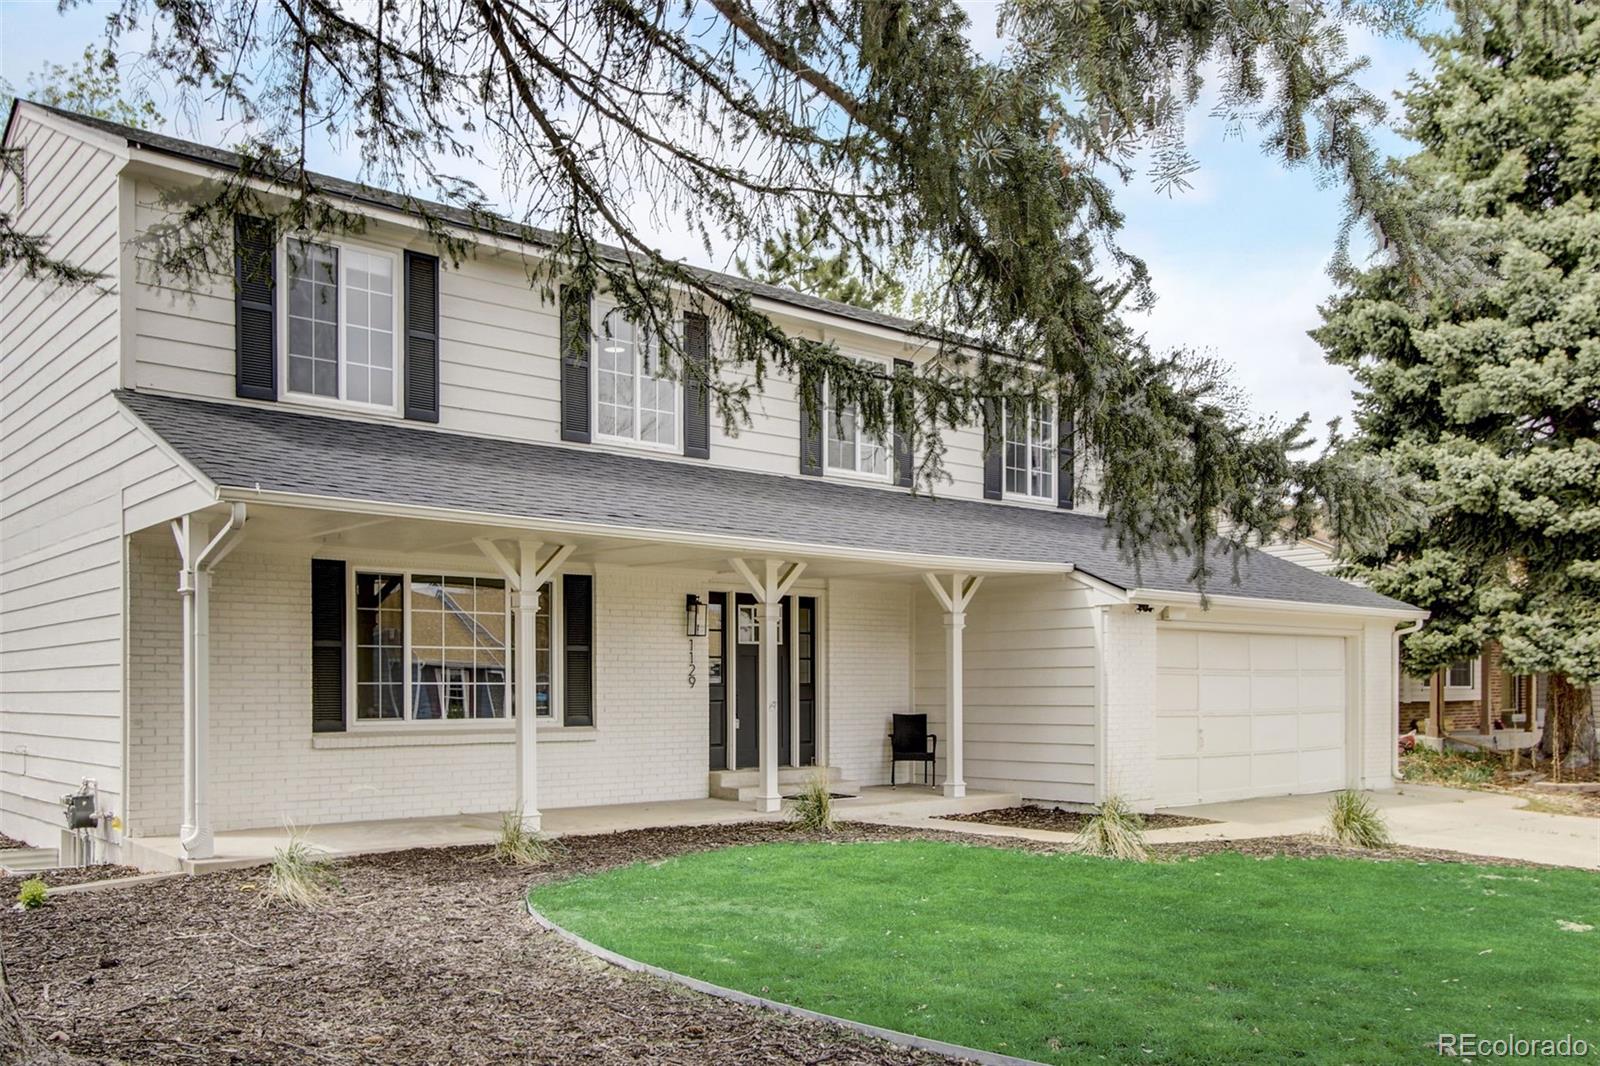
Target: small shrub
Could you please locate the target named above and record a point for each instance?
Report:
(299, 876)
(1115, 832)
(517, 844)
(31, 894)
(1425, 766)
(1355, 822)
(813, 808)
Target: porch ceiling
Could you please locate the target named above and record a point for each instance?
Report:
(357, 533)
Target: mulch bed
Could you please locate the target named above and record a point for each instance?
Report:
(1059, 821)
(10, 842)
(425, 956)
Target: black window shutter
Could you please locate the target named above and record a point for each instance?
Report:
(904, 414)
(574, 365)
(255, 309)
(696, 394)
(993, 449)
(327, 646)
(811, 416)
(577, 605)
(1065, 486)
(422, 337)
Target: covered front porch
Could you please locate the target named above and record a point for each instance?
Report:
(251, 847)
(390, 679)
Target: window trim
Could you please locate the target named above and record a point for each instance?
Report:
(886, 368)
(409, 723)
(281, 302)
(1055, 451)
(1465, 692)
(599, 310)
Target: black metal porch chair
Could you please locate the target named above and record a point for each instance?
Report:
(911, 742)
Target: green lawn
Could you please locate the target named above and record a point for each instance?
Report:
(1068, 959)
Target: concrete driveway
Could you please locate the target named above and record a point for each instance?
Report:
(1425, 816)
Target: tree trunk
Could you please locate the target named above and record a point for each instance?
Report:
(1564, 722)
(19, 1043)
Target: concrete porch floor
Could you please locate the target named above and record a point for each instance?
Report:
(252, 847)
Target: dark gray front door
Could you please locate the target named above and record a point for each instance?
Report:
(745, 630)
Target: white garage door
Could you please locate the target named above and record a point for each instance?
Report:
(1247, 714)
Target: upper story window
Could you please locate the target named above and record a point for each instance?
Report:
(342, 320)
(635, 399)
(849, 447)
(1029, 432)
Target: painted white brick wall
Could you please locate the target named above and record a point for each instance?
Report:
(1128, 672)
(1379, 727)
(649, 742)
(869, 673)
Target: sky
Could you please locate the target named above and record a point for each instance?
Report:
(1238, 262)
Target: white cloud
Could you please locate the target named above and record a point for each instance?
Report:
(1253, 310)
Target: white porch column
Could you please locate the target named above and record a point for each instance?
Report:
(198, 556)
(525, 579)
(769, 588)
(954, 601)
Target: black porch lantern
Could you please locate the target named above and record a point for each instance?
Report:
(694, 611)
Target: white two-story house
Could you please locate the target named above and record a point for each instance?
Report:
(354, 534)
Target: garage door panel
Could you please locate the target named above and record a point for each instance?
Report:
(1223, 775)
(1179, 781)
(1321, 692)
(1274, 692)
(1178, 648)
(1321, 653)
(1224, 693)
(1322, 730)
(1275, 732)
(1177, 736)
(1277, 770)
(1225, 735)
(1224, 651)
(1245, 714)
(1269, 651)
(1321, 769)
(1177, 693)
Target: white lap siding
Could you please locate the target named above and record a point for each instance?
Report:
(62, 450)
(1029, 697)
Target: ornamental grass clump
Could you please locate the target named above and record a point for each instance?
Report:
(300, 876)
(1115, 832)
(813, 808)
(1355, 822)
(517, 845)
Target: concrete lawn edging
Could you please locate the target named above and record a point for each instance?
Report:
(733, 995)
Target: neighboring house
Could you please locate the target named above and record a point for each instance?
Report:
(367, 536)
(1474, 698)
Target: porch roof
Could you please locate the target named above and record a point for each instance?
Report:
(250, 449)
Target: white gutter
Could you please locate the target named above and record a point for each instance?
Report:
(717, 542)
(1173, 598)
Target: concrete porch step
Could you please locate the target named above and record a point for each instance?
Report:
(744, 785)
(28, 860)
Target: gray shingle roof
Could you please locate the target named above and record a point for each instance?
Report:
(279, 450)
(480, 222)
